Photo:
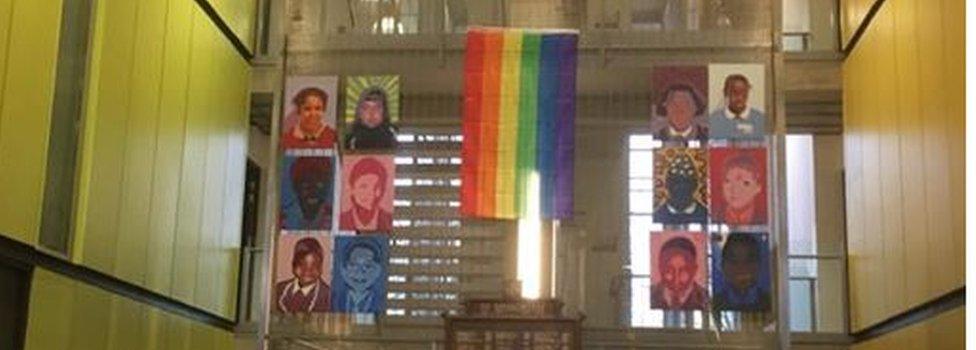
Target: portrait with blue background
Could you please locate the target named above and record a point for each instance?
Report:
(359, 273)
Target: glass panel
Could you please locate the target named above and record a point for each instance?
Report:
(65, 118)
(801, 301)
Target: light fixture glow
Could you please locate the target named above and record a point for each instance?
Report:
(530, 242)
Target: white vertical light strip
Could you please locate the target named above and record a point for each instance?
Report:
(530, 243)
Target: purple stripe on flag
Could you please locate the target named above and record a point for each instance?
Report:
(565, 129)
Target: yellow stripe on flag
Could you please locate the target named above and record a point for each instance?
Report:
(508, 125)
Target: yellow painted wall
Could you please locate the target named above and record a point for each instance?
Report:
(240, 16)
(904, 157)
(163, 160)
(161, 167)
(946, 331)
(28, 51)
(65, 314)
(852, 14)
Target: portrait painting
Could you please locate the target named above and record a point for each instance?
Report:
(359, 279)
(678, 270)
(680, 186)
(737, 101)
(680, 103)
(303, 273)
(372, 112)
(307, 193)
(738, 185)
(367, 193)
(741, 273)
(309, 119)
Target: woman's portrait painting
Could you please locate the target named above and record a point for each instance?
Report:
(680, 102)
(309, 119)
(738, 185)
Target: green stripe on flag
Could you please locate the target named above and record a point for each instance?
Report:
(527, 116)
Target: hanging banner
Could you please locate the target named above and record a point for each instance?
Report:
(307, 195)
(367, 193)
(737, 95)
(519, 123)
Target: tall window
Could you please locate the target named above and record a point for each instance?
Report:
(66, 116)
(801, 218)
(434, 261)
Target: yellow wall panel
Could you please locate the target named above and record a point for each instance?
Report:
(51, 297)
(945, 331)
(104, 150)
(140, 142)
(903, 116)
(6, 10)
(169, 145)
(240, 16)
(58, 321)
(912, 176)
(27, 89)
(90, 316)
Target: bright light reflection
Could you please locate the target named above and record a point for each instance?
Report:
(530, 242)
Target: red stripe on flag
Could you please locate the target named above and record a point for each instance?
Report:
(472, 122)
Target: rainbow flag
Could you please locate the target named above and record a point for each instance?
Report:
(519, 123)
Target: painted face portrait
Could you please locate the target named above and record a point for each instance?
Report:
(307, 265)
(308, 122)
(359, 283)
(312, 181)
(741, 273)
(681, 109)
(310, 112)
(366, 191)
(681, 190)
(678, 269)
(740, 265)
(302, 272)
(737, 93)
(679, 194)
(306, 193)
(739, 183)
(741, 186)
(677, 274)
(362, 269)
(367, 203)
(371, 110)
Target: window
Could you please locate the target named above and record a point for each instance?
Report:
(66, 117)
(435, 261)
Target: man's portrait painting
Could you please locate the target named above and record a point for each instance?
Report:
(372, 111)
(680, 186)
(303, 271)
(359, 278)
(680, 103)
(678, 270)
(738, 185)
(741, 273)
(367, 193)
(306, 193)
(737, 101)
(309, 120)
